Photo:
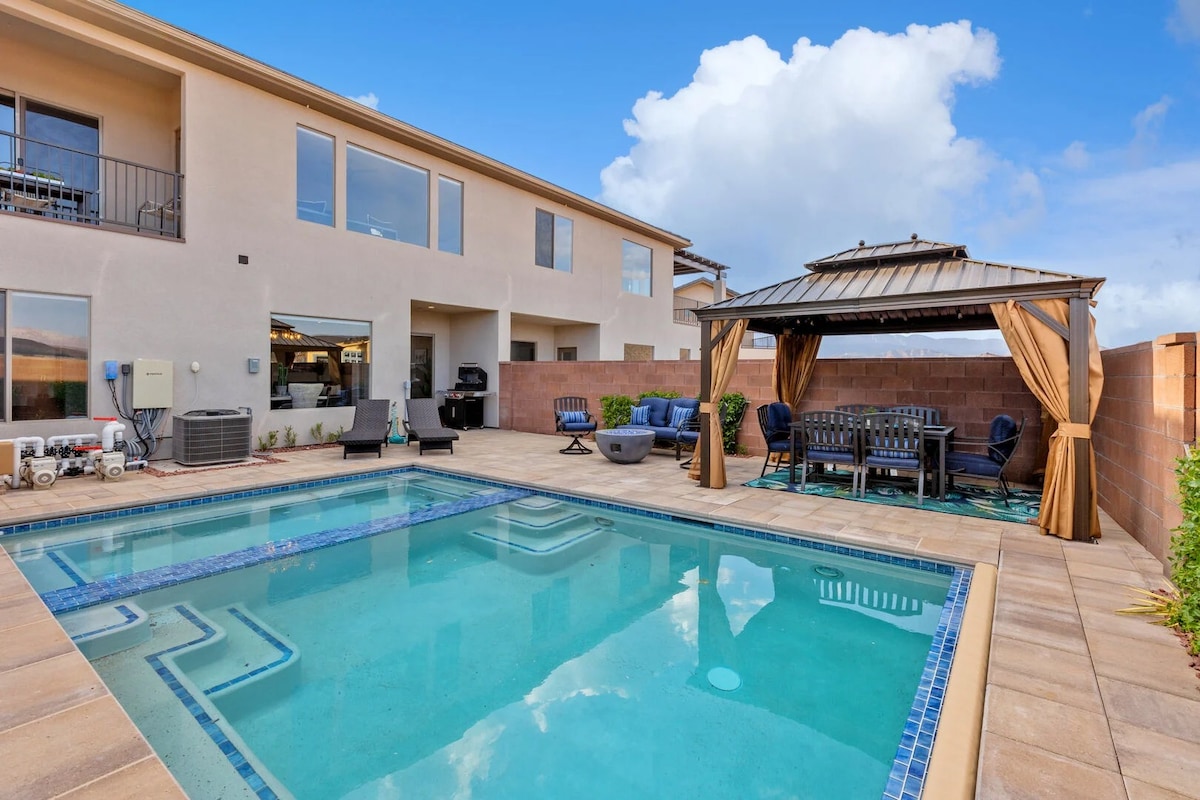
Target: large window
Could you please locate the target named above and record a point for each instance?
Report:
(314, 176)
(552, 247)
(47, 336)
(450, 215)
(636, 268)
(8, 124)
(318, 362)
(386, 197)
(66, 145)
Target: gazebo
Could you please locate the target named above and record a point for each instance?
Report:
(924, 286)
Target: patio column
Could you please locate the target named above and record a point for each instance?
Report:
(1085, 467)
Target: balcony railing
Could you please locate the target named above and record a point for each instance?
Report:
(51, 181)
(685, 316)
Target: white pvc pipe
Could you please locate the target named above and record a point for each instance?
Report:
(39, 450)
(73, 439)
(112, 432)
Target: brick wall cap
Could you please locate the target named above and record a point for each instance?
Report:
(1176, 338)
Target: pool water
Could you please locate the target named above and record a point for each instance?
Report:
(535, 648)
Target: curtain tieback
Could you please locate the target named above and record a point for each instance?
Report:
(709, 408)
(1074, 430)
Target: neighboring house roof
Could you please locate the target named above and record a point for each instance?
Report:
(704, 282)
(896, 287)
(166, 38)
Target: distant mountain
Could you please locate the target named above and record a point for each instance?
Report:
(900, 345)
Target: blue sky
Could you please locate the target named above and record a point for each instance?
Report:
(1054, 134)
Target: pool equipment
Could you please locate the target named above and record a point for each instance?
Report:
(40, 462)
(725, 679)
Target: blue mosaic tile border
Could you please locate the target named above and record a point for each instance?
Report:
(285, 653)
(244, 768)
(916, 743)
(106, 590)
(126, 612)
(75, 577)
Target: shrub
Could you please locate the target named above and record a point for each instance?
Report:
(1185, 550)
(733, 407)
(269, 441)
(317, 432)
(614, 409)
(289, 436)
(333, 437)
(666, 394)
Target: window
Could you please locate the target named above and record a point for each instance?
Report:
(635, 268)
(386, 197)
(552, 248)
(568, 354)
(314, 177)
(48, 342)
(450, 215)
(317, 362)
(52, 136)
(524, 351)
(8, 124)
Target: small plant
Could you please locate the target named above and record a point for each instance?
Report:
(289, 436)
(317, 432)
(614, 408)
(1185, 551)
(269, 441)
(666, 394)
(333, 437)
(733, 407)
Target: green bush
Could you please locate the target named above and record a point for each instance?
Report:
(1185, 550)
(733, 407)
(666, 394)
(614, 409)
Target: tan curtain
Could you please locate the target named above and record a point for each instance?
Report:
(724, 363)
(1041, 356)
(795, 360)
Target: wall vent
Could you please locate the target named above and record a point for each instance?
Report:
(212, 436)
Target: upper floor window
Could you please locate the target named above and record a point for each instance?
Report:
(314, 176)
(47, 337)
(552, 247)
(386, 197)
(8, 124)
(636, 268)
(450, 215)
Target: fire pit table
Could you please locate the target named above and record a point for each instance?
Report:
(625, 445)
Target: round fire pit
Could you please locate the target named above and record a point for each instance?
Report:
(625, 445)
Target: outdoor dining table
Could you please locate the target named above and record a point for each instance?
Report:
(937, 438)
(28, 190)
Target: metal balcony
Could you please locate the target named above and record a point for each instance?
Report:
(44, 180)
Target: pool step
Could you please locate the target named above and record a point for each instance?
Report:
(103, 630)
(242, 652)
(547, 542)
(441, 490)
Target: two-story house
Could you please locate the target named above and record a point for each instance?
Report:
(164, 198)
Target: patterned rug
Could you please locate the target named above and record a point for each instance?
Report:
(963, 499)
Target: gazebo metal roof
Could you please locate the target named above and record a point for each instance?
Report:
(910, 286)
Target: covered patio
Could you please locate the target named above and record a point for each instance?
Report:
(918, 286)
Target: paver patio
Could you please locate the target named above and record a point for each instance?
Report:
(1081, 703)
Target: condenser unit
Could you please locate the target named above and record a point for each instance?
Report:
(211, 436)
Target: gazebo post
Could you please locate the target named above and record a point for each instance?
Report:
(706, 346)
(1079, 353)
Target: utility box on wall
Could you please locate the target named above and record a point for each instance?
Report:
(153, 383)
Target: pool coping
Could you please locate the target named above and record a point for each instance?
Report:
(911, 766)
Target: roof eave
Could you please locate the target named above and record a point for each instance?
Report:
(151, 32)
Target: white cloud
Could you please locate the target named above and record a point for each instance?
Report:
(369, 100)
(1184, 22)
(781, 160)
(1076, 156)
(1147, 124)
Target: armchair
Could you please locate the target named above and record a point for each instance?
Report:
(1001, 443)
(775, 421)
(572, 418)
(893, 442)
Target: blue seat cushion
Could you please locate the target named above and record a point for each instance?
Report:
(830, 455)
(639, 415)
(573, 416)
(884, 462)
(972, 464)
(1003, 427)
(779, 417)
(660, 433)
(689, 437)
(578, 427)
(658, 410)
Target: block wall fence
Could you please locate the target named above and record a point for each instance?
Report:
(1147, 414)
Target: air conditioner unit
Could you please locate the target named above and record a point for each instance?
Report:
(211, 436)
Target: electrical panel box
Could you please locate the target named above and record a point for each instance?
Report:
(153, 383)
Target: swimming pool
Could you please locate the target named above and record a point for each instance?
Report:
(504, 643)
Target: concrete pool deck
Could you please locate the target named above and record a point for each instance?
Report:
(1081, 702)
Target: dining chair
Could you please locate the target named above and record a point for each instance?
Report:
(893, 441)
(827, 437)
(931, 416)
(1004, 434)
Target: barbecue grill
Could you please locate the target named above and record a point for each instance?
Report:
(464, 405)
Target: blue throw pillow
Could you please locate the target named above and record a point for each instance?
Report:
(639, 415)
(680, 416)
(574, 416)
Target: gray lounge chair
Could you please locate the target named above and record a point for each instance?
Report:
(372, 421)
(424, 426)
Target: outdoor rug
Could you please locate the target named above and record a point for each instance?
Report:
(964, 499)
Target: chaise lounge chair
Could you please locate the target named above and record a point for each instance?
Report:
(372, 421)
(424, 426)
